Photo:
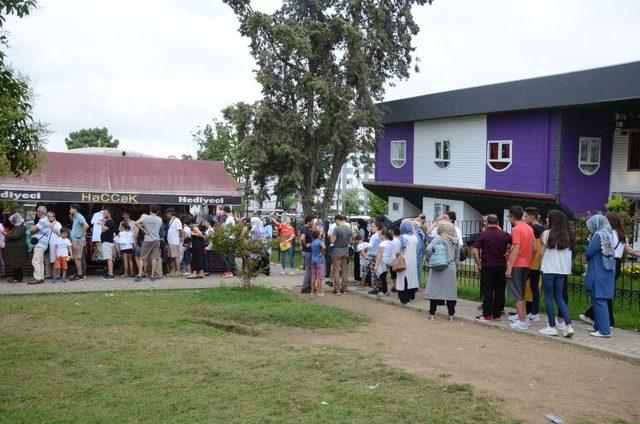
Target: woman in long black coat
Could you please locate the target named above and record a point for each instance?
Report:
(15, 249)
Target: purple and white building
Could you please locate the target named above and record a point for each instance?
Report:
(566, 141)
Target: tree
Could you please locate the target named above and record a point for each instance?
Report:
(323, 66)
(186, 157)
(375, 205)
(351, 202)
(21, 138)
(91, 137)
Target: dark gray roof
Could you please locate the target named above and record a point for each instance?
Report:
(600, 85)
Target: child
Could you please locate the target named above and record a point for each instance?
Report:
(362, 249)
(384, 260)
(125, 243)
(61, 250)
(317, 263)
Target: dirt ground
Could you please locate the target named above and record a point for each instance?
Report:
(526, 377)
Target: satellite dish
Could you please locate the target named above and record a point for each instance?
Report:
(171, 157)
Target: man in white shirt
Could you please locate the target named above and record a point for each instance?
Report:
(173, 239)
(40, 233)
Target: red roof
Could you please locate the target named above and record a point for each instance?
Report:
(75, 172)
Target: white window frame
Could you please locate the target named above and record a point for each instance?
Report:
(589, 161)
(442, 207)
(500, 159)
(439, 161)
(398, 159)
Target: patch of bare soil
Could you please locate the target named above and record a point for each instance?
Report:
(533, 377)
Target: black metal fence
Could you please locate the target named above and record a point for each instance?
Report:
(627, 285)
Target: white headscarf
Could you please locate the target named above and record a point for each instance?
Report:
(16, 219)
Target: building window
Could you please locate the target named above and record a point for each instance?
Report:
(589, 155)
(634, 152)
(442, 153)
(499, 154)
(398, 153)
(439, 209)
(395, 206)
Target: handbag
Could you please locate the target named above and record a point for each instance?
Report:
(284, 246)
(400, 264)
(438, 260)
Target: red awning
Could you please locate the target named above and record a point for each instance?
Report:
(64, 174)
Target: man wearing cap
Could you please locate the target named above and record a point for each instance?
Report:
(173, 239)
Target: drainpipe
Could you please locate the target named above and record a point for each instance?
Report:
(546, 156)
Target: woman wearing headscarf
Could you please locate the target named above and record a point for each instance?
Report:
(15, 249)
(407, 284)
(600, 277)
(442, 285)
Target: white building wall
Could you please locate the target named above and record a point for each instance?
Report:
(468, 219)
(622, 181)
(468, 136)
(401, 208)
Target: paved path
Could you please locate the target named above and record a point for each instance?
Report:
(623, 344)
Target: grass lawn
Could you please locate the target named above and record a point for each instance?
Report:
(176, 356)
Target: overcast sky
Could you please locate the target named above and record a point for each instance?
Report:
(153, 71)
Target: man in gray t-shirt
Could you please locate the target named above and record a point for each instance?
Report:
(341, 237)
(150, 225)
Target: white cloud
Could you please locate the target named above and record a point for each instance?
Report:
(153, 71)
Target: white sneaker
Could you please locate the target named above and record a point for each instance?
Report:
(599, 334)
(549, 331)
(519, 325)
(568, 332)
(533, 319)
(282, 273)
(513, 318)
(561, 326)
(586, 319)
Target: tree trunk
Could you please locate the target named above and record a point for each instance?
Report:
(330, 186)
(308, 189)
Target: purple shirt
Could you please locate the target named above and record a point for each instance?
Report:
(493, 244)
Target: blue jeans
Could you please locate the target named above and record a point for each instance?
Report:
(306, 283)
(420, 260)
(283, 258)
(601, 322)
(552, 285)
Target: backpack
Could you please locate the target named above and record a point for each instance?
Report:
(438, 260)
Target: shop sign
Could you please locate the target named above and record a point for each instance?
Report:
(121, 198)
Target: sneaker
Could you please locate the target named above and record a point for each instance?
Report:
(561, 326)
(152, 279)
(482, 318)
(108, 277)
(305, 291)
(53, 280)
(599, 334)
(549, 331)
(381, 294)
(513, 318)
(533, 319)
(137, 279)
(568, 332)
(519, 325)
(281, 273)
(432, 317)
(586, 319)
(227, 275)
(360, 288)
(64, 280)
(374, 292)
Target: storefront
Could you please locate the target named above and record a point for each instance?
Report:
(120, 183)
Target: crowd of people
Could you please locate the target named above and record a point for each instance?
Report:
(388, 256)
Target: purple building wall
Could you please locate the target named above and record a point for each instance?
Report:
(385, 172)
(582, 192)
(533, 142)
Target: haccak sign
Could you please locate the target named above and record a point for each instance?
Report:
(125, 198)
